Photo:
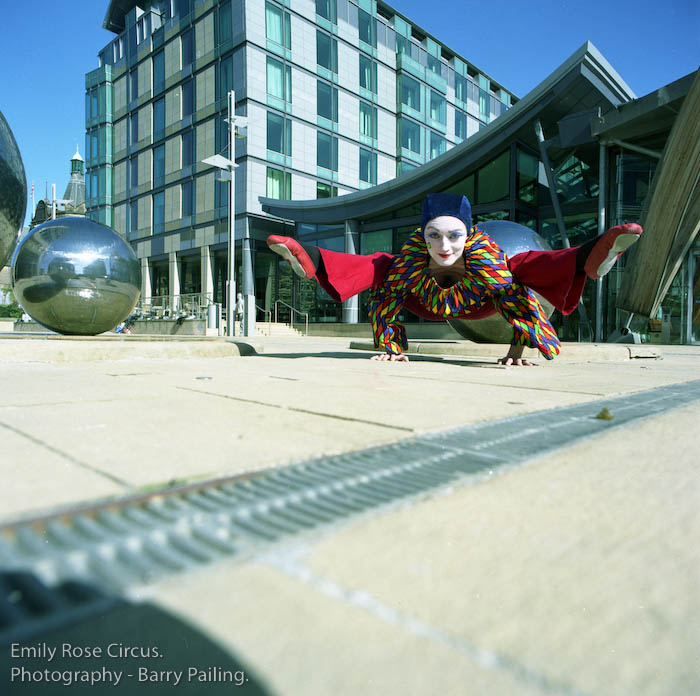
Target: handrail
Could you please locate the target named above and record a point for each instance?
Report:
(294, 309)
(267, 312)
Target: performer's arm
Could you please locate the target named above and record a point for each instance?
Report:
(384, 307)
(515, 302)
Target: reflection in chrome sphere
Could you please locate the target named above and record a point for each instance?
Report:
(13, 192)
(76, 276)
(513, 239)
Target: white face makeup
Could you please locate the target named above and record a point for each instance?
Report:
(445, 237)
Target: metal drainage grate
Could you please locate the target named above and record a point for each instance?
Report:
(127, 543)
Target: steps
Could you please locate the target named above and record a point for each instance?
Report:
(276, 330)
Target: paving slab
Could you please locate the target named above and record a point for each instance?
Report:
(572, 574)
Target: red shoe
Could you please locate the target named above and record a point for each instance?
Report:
(293, 252)
(611, 245)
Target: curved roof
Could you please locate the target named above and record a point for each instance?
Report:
(585, 81)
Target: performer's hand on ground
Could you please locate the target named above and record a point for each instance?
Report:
(515, 357)
(391, 357)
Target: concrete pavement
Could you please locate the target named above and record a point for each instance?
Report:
(574, 573)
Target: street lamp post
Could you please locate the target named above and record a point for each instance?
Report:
(228, 166)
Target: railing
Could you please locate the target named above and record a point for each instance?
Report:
(267, 313)
(303, 314)
(191, 306)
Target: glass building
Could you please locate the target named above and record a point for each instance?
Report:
(354, 114)
(340, 96)
(575, 156)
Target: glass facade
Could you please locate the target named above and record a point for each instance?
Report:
(157, 105)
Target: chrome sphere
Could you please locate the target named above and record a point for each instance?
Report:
(76, 276)
(13, 192)
(513, 239)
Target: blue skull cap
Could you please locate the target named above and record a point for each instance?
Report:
(452, 204)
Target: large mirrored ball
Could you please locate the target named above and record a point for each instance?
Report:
(75, 276)
(13, 192)
(513, 239)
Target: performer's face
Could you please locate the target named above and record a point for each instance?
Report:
(445, 237)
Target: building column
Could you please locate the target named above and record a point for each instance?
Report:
(248, 282)
(206, 274)
(351, 307)
(146, 292)
(173, 281)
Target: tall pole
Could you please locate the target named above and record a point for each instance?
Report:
(231, 281)
(602, 201)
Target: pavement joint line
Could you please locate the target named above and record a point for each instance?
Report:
(300, 410)
(69, 457)
(364, 601)
(503, 386)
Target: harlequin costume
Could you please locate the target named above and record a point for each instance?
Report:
(492, 281)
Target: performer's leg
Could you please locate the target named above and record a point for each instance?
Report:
(609, 247)
(341, 275)
(560, 275)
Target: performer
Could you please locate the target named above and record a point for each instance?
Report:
(451, 269)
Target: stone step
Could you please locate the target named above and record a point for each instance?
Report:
(264, 328)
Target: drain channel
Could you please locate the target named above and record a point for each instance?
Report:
(132, 542)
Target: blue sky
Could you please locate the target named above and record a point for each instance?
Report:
(46, 47)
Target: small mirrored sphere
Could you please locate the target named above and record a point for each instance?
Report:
(513, 239)
(13, 192)
(75, 276)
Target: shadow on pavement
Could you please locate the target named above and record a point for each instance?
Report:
(74, 638)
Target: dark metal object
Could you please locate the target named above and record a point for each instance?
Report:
(513, 239)
(13, 192)
(75, 276)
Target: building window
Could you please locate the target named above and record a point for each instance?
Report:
(187, 199)
(279, 184)
(367, 26)
(188, 98)
(410, 93)
(493, 180)
(325, 190)
(460, 124)
(327, 151)
(134, 84)
(134, 172)
(134, 218)
(158, 165)
(225, 24)
(326, 101)
(158, 71)
(368, 120)
(326, 51)
(279, 79)
(461, 85)
(134, 129)
(437, 145)
(438, 107)
(368, 74)
(410, 136)
(158, 212)
(225, 77)
(327, 9)
(188, 148)
(187, 47)
(158, 119)
(279, 134)
(368, 166)
(527, 173)
(221, 196)
(278, 25)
